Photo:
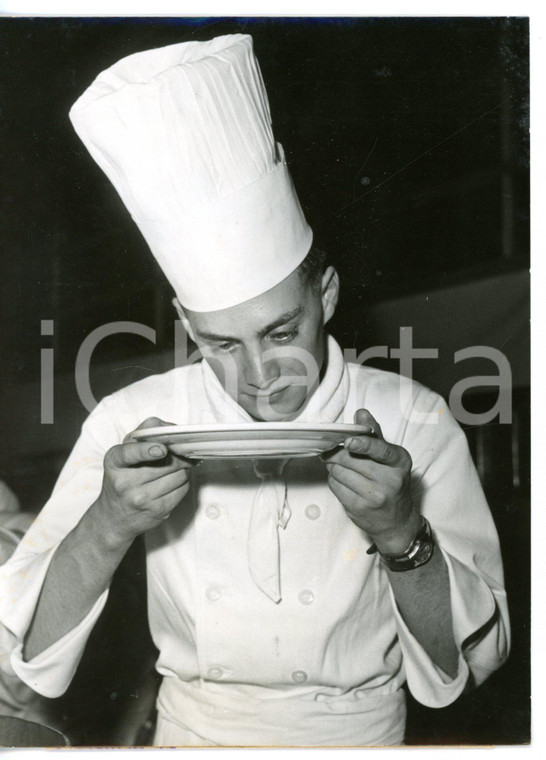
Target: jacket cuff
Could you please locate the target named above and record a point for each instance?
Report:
(473, 606)
(51, 671)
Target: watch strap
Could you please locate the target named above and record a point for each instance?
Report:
(418, 552)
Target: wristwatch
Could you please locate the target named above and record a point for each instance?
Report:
(418, 552)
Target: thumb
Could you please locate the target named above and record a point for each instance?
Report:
(130, 454)
(363, 417)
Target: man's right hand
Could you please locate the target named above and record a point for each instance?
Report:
(143, 482)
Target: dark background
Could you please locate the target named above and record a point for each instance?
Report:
(408, 142)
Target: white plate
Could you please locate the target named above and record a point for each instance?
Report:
(255, 439)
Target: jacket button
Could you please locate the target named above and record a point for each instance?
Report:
(299, 676)
(214, 673)
(212, 512)
(312, 511)
(213, 593)
(306, 596)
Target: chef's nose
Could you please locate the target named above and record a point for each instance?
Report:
(260, 373)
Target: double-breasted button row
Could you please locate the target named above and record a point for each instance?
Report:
(213, 511)
(213, 593)
(306, 596)
(312, 511)
(215, 673)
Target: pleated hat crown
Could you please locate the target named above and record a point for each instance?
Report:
(184, 134)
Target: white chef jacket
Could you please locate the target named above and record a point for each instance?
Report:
(323, 666)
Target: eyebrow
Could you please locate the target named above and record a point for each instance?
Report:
(283, 319)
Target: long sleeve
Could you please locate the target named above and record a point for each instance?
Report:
(22, 577)
(77, 487)
(447, 488)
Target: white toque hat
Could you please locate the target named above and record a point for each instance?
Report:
(184, 134)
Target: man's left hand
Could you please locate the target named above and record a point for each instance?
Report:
(371, 478)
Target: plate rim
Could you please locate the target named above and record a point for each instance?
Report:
(258, 427)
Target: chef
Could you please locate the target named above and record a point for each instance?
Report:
(290, 598)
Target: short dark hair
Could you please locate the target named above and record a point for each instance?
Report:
(313, 267)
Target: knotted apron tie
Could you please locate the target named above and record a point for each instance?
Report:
(270, 511)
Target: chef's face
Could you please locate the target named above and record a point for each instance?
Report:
(269, 352)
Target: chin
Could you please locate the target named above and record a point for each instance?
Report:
(282, 410)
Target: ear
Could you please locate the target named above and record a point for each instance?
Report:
(329, 293)
(183, 317)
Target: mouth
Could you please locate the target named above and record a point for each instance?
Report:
(268, 394)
